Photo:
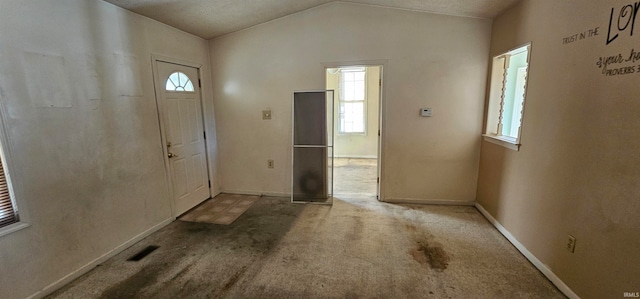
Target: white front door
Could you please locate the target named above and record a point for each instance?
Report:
(180, 106)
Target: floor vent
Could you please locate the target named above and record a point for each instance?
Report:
(144, 252)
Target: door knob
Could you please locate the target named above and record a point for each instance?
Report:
(171, 155)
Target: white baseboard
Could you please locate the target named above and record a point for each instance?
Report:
(88, 267)
(257, 193)
(444, 202)
(532, 258)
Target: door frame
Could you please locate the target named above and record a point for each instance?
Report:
(382, 109)
(160, 112)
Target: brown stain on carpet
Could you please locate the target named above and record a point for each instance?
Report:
(182, 272)
(410, 227)
(434, 255)
(233, 280)
(358, 229)
(426, 251)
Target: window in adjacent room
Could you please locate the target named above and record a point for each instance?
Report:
(352, 101)
(507, 92)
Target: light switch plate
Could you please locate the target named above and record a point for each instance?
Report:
(266, 114)
(426, 112)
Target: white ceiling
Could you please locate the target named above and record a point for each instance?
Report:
(212, 18)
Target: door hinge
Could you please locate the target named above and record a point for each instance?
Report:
(199, 83)
(378, 181)
(380, 82)
(378, 132)
(209, 184)
(204, 133)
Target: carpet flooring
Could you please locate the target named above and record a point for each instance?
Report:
(357, 248)
(355, 176)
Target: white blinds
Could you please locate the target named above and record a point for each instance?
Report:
(7, 212)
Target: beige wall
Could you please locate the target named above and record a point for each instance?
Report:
(358, 145)
(578, 169)
(88, 173)
(432, 61)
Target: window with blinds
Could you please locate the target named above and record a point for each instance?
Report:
(8, 213)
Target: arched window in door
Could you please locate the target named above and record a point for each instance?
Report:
(178, 81)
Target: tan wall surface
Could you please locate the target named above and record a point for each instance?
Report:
(88, 172)
(432, 60)
(578, 168)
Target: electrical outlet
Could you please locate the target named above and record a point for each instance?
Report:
(270, 163)
(571, 244)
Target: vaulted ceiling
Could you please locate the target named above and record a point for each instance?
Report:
(212, 18)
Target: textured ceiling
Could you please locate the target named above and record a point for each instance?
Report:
(212, 18)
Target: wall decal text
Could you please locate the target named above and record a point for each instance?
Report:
(626, 21)
(620, 65)
(580, 36)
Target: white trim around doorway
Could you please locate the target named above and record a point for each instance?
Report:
(382, 110)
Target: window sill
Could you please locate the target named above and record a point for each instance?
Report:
(13, 228)
(504, 141)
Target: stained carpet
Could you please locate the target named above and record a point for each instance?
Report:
(358, 248)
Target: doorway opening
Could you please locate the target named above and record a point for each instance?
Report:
(357, 128)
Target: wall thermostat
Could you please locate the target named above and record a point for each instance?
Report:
(426, 112)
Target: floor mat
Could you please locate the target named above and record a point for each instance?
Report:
(222, 209)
